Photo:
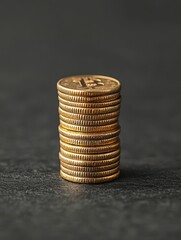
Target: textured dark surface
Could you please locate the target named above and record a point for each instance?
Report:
(135, 41)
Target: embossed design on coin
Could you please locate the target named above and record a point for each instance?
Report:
(88, 85)
(89, 82)
(89, 107)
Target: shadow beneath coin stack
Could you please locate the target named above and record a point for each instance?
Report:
(136, 181)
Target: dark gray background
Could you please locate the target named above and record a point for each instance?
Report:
(137, 42)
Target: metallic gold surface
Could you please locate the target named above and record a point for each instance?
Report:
(89, 105)
(88, 123)
(89, 129)
(89, 111)
(80, 142)
(88, 117)
(90, 180)
(90, 169)
(90, 150)
(88, 85)
(80, 99)
(89, 136)
(88, 163)
(89, 174)
(90, 157)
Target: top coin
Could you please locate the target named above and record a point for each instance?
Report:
(88, 85)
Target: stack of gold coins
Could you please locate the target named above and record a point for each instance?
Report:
(89, 129)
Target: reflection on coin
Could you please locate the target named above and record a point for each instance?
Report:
(89, 129)
(89, 111)
(89, 157)
(89, 174)
(104, 98)
(88, 163)
(90, 169)
(88, 117)
(89, 136)
(80, 142)
(88, 123)
(89, 180)
(89, 105)
(90, 150)
(88, 85)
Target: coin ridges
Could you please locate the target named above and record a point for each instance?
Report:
(89, 105)
(80, 142)
(89, 174)
(88, 163)
(89, 136)
(90, 117)
(89, 128)
(90, 150)
(89, 168)
(89, 111)
(90, 180)
(96, 99)
(90, 157)
(88, 123)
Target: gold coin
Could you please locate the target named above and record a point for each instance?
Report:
(89, 163)
(80, 142)
(88, 117)
(90, 169)
(89, 174)
(90, 150)
(88, 85)
(89, 180)
(89, 105)
(88, 123)
(89, 129)
(89, 136)
(105, 98)
(89, 157)
(89, 111)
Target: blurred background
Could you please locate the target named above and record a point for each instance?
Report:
(137, 42)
